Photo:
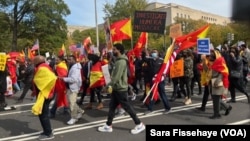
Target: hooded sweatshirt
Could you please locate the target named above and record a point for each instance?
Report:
(119, 78)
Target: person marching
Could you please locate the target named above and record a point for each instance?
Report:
(119, 84)
(44, 85)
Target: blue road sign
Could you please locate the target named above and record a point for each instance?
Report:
(203, 46)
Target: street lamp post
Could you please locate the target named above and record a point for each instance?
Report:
(164, 40)
(96, 23)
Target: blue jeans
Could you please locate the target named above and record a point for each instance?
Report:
(161, 91)
(16, 86)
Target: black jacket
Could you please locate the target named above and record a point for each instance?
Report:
(3, 81)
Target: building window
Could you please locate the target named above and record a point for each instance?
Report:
(177, 14)
(189, 16)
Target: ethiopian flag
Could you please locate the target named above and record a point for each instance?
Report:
(44, 80)
(220, 66)
(61, 71)
(96, 75)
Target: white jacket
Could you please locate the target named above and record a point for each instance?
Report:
(74, 78)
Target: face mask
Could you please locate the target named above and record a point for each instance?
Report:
(115, 54)
(154, 55)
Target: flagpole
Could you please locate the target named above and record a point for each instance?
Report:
(131, 36)
(107, 31)
(38, 47)
(96, 23)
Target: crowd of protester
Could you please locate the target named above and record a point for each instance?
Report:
(216, 75)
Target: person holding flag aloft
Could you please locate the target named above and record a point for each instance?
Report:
(154, 65)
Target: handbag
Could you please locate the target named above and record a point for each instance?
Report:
(218, 85)
(235, 74)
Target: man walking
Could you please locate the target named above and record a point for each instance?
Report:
(44, 83)
(119, 84)
(74, 81)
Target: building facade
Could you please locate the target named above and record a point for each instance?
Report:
(72, 28)
(173, 11)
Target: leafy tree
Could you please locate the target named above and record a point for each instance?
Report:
(5, 35)
(36, 19)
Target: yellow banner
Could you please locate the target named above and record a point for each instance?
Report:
(3, 59)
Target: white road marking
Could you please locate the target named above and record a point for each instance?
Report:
(72, 128)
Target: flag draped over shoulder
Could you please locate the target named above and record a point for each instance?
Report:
(96, 75)
(220, 66)
(36, 45)
(45, 80)
(121, 30)
(189, 40)
(141, 43)
(62, 71)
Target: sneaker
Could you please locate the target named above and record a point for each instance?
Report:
(72, 121)
(105, 128)
(44, 137)
(167, 111)
(138, 128)
(133, 97)
(148, 112)
(79, 115)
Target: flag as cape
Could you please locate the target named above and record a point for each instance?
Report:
(44, 80)
(96, 75)
(220, 66)
(60, 89)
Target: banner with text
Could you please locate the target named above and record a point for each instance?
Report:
(175, 31)
(177, 69)
(149, 21)
(203, 46)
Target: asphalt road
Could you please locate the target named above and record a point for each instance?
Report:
(22, 125)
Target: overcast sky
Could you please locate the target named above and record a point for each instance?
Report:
(83, 11)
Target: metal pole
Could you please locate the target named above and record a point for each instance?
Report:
(96, 23)
(164, 40)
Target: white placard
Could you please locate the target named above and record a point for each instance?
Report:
(106, 74)
(47, 54)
